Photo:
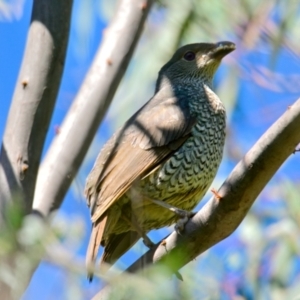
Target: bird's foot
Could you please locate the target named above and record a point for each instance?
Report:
(181, 213)
(184, 218)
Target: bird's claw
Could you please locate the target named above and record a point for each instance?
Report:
(184, 217)
(183, 213)
(179, 226)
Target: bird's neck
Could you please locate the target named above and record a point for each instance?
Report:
(198, 91)
(182, 83)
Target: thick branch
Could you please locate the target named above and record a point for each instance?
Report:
(30, 113)
(33, 101)
(80, 125)
(219, 218)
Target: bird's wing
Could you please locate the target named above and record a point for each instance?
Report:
(159, 128)
(117, 245)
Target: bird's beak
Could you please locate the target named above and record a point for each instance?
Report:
(220, 50)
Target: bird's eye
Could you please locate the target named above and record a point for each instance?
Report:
(189, 56)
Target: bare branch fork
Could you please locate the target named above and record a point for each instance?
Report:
(33, 101)
(220, 217)
(67, 151)
(35, 95)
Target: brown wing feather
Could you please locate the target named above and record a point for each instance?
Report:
(147, 138)
(94, 244)
(117, 245)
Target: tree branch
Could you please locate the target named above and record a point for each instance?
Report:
(33, 101)
(81, 123)
(29, 117)
(220, 217)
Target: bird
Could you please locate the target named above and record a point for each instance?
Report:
(157, 167)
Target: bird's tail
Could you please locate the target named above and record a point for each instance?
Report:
(94, 244)
(117, 245)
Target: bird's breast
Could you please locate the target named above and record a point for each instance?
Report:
(183, 179)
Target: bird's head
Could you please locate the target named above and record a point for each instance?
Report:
(194, 61)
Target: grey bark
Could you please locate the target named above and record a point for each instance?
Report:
(81, 123)
(30, 113)
(220, 217)
(33, 101)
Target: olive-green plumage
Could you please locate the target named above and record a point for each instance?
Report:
(169, 150)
